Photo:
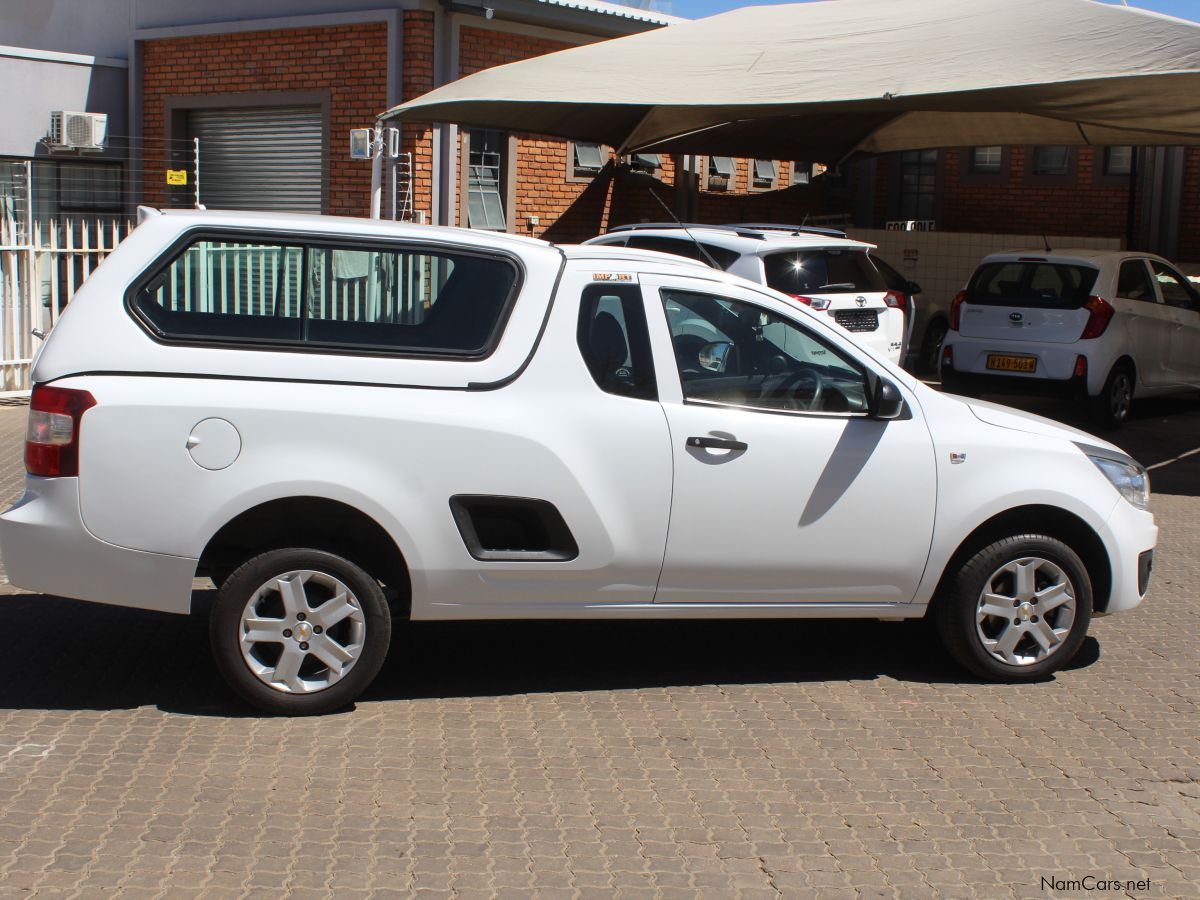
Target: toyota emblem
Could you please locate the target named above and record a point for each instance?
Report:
(861, 301)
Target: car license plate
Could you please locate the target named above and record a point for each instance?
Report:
(1012, 363)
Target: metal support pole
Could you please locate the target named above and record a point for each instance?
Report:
(32, 287)
(1131, 207)
(377, 170)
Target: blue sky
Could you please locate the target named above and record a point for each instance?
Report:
(696, 9)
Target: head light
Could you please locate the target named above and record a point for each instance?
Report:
(1127, 477)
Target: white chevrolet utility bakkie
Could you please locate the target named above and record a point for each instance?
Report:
(343, 422)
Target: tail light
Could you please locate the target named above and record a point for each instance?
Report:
(1100, 314)
(817, 303)
(896, 300)
(52, 439)
(1080, 366)
(947, 357)
(956, 309)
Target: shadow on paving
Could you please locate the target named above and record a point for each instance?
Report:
(75, 655)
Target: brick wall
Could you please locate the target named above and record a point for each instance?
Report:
(349, 62)
(1189, 214)
(416, 78)
(1025, 203)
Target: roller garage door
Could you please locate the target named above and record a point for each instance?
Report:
(260, 157)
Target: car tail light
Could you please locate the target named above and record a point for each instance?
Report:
(896, 300)
(817, 303)
(52, 438)
(947, 357)
(1081, 366)
(956, 309)
(1100, 314)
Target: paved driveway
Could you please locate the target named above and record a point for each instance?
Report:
(765, 759)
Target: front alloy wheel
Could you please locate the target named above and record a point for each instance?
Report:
(300, 631)
(1016, 610)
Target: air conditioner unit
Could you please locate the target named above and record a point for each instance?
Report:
(78, 130)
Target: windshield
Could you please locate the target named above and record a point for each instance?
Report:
(1032, 283)
(823, 270)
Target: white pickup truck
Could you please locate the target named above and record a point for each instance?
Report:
(344, 422)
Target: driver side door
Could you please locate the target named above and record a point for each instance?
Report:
(785, 490)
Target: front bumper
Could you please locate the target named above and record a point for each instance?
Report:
(1129, 536)
(47, 548)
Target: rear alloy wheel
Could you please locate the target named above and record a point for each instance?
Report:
(931, 348)
(1111, 408)
(1018, 609)
(299, 631)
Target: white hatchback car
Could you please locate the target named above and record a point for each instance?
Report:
(1110, 326)
(817, 267)
(342, 421)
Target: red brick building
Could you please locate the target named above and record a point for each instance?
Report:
(269, 99)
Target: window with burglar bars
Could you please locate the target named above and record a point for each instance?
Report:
(485, 200)
(986, 160)
(918, 184)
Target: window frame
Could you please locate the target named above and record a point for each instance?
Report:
(1188, 288)
(308, 240)
(708, 175)
(754, 184)
(573, 175)
(1066, 178)
(1153, 299)
(868, 376)
(641, 324)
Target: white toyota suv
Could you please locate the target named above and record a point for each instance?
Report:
(1110, 326)
(344, 422)
(816, 267)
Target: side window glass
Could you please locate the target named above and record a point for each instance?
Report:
(1133, 282)
(737, 353)
(226, 290)
(401, 300)
(615, 342)
(1175, 289)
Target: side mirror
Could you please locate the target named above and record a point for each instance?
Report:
(715, 356)
(887, 402)
(913, 288)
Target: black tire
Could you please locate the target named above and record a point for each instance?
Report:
(931, 346)
(373, 628)
(956, 609)
(1111, 408)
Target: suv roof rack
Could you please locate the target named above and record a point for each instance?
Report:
(687, 226)
(743, 229)
(794, 229)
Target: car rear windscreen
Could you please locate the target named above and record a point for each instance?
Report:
(1031, 283)
(825, 270)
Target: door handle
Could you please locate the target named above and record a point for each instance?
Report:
(712, 443)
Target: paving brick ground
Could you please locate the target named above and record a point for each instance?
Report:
(796, 759)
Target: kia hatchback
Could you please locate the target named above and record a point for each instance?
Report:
(1108, 326)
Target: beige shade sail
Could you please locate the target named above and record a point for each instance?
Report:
(824, 80)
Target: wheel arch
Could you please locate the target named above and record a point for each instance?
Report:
(309, 521)
(1052, 521)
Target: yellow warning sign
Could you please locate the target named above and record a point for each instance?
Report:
(176, 176)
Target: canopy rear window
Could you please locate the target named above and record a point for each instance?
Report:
(825, 270)
(1032, 283)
